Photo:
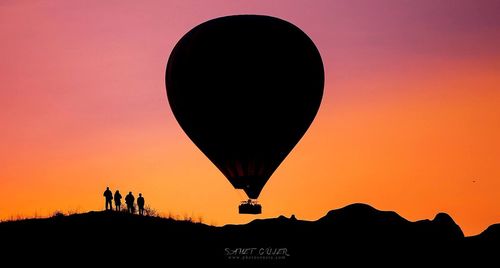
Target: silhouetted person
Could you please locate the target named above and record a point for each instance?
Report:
(109, 197)
(118, 200)
(129, 200)
(140, 204)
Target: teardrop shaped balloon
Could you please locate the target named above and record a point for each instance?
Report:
(245, 89)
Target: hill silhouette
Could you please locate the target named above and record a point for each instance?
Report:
(355, 234)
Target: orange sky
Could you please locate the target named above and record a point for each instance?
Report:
(409, 121)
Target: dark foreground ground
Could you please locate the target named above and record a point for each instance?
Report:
(354, 236)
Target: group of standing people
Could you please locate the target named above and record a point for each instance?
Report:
(129, 200)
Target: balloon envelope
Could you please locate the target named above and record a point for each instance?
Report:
(245, 89)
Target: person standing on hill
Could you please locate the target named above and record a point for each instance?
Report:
(140, 204)
(129, 200)
(108, 195)
(118, 200)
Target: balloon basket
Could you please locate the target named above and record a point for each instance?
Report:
(250, 207)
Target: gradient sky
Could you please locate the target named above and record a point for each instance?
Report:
(410, 119)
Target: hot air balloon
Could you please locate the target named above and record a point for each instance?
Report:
(245, 89)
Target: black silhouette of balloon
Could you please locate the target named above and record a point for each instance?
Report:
(245, 89)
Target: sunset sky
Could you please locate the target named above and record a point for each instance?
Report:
(410, 118)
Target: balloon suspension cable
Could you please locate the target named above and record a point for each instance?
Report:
(250, 201)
